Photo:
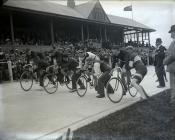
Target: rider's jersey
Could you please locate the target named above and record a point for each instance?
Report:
(138, 64)
(91, 56)
(122, 58)
(71, 64)
(104, 67)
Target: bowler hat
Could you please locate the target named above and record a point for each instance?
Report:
(172, 29)
(158, 40)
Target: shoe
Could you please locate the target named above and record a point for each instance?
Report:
(62, 83)
(160, 86)
(73, 90)
(124, 92)
(100, 96)
(41, 84)
(82, 88)
(142, 99)
(89, 79)
(111, 92)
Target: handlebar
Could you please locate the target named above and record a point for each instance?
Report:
(52, 66)
(118, 69)
(27, 65)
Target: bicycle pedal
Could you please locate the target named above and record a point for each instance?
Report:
(62, 84)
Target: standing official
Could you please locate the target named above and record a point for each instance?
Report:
(170, 62)
(158, 63)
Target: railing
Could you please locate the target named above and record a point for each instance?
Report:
(9, 63)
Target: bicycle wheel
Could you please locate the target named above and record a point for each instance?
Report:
(26, 80)
(132, 90)
(114, 90)
(68, 82)
(81, 85)
(50, 83)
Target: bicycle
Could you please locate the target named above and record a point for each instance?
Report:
(119, 87)
(50, 80)
(28, 76)
(84, 79)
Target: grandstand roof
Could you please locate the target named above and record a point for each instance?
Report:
(126, 21)
(44, 6)
(81, 11)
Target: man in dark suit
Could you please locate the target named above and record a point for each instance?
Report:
(158, 63)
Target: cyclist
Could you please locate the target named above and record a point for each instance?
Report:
(70, 64)
(57, 59)
(141, 70)
(121, 59)
(42, 64)
(91, 57)
(104, 77)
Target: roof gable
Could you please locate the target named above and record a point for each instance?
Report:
(98, 13)
(85, 8)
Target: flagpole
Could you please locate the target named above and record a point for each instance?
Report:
(132, 14)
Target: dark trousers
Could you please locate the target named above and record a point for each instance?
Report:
(160, 75)
(126, 78)
(102, 81)
(164, 73)
(75, 77)
(42, 65)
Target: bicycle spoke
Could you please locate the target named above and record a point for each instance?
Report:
(114, 90)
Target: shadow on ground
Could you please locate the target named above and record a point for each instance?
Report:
(152, 119)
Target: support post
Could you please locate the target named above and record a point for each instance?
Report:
(124, 38)
(105, 33)
(82, 33)
(137, 34)
(148, 38)
(11, 28)
(100, 34)
(148, 46)
(87, 31)
(9, 63)
(142, 36)
(51, 31)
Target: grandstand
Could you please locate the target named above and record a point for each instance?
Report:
(26, 23)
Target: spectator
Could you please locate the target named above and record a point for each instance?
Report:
(158, 63)
(170, 62)
(2, 55)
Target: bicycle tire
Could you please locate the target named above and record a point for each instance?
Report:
(115, 96)
(50, 83)
(68, 82)
(81, 92)
(26, 76)
(132, 91)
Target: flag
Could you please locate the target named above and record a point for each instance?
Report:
(128, 8)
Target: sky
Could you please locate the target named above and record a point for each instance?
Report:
(157, 14)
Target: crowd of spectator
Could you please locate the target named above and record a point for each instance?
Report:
(18, 56)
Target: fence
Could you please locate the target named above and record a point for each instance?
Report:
(9, 63)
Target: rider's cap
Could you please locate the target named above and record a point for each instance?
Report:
(129, 47)
(80, 51)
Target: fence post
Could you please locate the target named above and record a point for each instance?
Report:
(10, 70)
(110, 61)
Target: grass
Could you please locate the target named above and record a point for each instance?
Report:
(152, 119)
